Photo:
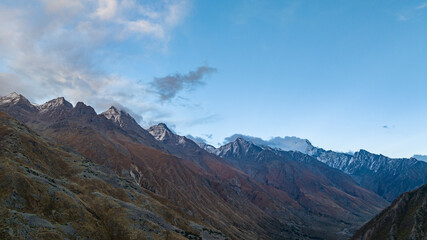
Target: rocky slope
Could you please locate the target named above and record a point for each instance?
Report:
(406, 218)
(50, 193)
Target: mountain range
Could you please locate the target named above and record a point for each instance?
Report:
(385, 176)
(163, 185)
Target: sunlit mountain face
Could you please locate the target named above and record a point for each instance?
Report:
(182, 119)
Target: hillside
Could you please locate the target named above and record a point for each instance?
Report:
(50, 193)
(405, 218)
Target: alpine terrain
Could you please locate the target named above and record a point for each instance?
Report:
(69, 172)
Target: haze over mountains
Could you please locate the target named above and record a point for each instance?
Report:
(156, 178)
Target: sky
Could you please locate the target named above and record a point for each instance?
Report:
(347, 75)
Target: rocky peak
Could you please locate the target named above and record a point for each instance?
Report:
(120, 118)
(83, 109)
(241, 144)
(55, 104)
(161, 132)
(13, 99)
(239, 147)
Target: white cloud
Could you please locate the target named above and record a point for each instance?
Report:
(145, 27)
(106, 9)
(176, 13)
(421, 6)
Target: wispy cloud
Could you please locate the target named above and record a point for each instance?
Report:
(421, 6)
(167, 87)
(56, 48)
(401, 18)
(411, 12)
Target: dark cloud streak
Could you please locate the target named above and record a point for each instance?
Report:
(167, 87)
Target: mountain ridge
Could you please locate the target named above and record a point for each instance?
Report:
(384, 176)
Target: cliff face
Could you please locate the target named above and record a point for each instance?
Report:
(405, 218)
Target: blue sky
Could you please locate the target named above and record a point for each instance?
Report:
(344, 74)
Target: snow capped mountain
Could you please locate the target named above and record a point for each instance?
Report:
(362, 160)
(12, 98)
(55, 108)
(18, 106)
(15, 99)
(55, 104)
(120, 118)
(285, 143)
(385, 176)
(162, 133)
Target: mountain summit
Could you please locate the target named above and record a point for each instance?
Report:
(55, 104)
(13, 98)
(120, 118)
(161, 132)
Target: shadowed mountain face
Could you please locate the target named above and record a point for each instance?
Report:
(406, 218)
(299, 201)
(385, 176)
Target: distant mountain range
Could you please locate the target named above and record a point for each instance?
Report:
(385, 176)
(166, 186)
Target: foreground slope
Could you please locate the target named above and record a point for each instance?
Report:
(49, 193)
(406, 218)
